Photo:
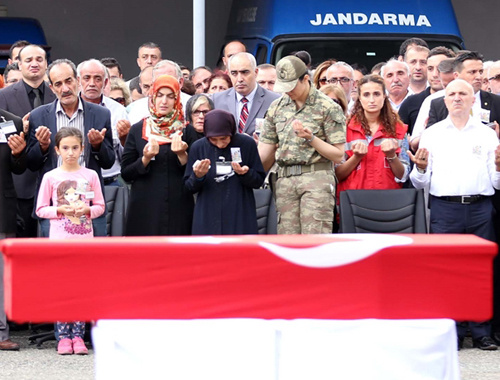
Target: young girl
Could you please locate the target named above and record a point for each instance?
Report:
(70, 196)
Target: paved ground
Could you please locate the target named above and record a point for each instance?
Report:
(478, 365)
(33, 364)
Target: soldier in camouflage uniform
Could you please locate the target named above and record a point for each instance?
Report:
(304, 131)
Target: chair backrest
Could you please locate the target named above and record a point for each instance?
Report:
(382, 211)
(267, 219)
(116, 202)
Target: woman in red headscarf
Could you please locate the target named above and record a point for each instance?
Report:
(154, 159)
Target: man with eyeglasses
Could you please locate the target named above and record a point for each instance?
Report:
(494, 77)
(342, 74)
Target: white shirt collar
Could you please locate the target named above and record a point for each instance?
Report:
(60, 109)
(249, 96)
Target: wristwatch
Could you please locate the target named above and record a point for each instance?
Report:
(421, 171)
(311, 139)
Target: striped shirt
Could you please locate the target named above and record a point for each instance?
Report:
(76, 120)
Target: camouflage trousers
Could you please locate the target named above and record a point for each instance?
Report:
(305, 203)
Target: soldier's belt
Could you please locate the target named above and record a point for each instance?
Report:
(292, 170)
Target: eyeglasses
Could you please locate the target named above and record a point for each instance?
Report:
(197, 113)
(339, 80)
(496, 77)
(119, 100)
(322, 80)
(336, 101)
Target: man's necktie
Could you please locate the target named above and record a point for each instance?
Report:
(243, 115)
(38, 99)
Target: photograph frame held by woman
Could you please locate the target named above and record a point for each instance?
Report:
(154, 160)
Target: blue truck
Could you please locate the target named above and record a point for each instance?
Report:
(19, 28)
(362, 31)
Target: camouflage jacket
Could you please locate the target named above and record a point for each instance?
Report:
(319, 113)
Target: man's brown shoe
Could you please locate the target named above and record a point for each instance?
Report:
(8, 345)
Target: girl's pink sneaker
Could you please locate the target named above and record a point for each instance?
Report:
(65, 347)
(79, 347)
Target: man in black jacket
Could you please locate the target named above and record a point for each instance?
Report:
(20, 99)
(12, 160)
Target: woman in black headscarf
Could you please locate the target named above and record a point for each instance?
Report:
(223, 168)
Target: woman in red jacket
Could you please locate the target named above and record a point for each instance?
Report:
(376, 142)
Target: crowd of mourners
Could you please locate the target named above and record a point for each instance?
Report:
(191, 145)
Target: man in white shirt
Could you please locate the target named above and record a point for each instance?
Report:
(92, 79)
(445, 70)
(396, 76)
(459, 158)
(139, 109)
(494, 77)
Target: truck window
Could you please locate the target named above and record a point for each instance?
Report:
(352, 50)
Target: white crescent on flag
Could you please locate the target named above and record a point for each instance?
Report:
(338, 253)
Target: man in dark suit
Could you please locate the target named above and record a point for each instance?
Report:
(69, 110)
(20, 99)
(469, 67)
(246, 100)
(411, 106)
(12, 160)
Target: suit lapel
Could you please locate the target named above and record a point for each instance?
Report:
(485, 100)
(88, 122)
(48, 95)
(21, 97)
(50, 121)
(232, 104)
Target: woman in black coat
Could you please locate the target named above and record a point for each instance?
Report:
(223, 168)
(154, 160)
